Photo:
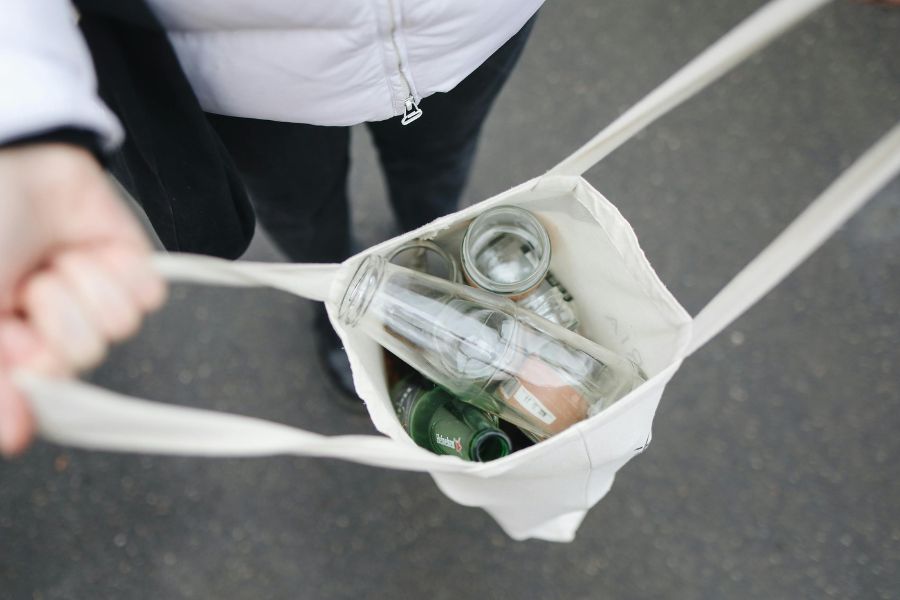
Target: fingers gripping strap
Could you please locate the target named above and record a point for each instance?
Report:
(823, 217)
(81, 415)
(312, 281)
(747, 38)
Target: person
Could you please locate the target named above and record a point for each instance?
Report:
(212, 114)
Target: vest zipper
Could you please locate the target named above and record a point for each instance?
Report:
(411, 110)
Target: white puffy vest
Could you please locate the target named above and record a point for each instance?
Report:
(323, 62)
(333, 62)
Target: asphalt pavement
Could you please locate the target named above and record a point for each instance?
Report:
(773, 471)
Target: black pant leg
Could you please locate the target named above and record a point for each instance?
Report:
(427, 163)
(171, 162)
(296, 175)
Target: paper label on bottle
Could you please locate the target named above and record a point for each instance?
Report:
(542, 395)
(530, 402)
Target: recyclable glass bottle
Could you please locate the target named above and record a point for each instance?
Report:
(506, 250)
(437, 421)
(484, 349)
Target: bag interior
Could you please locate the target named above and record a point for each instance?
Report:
(621, 303)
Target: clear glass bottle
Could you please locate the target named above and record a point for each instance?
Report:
(506, 250)
(484, 349)
(437, 421)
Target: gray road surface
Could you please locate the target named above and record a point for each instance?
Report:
(774, 467)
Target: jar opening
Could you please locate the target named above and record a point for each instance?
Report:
(506, 250)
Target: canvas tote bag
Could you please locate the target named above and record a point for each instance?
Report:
(543, 491)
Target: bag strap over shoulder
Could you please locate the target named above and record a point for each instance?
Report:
(748, 37)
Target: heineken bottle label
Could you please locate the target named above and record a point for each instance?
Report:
(453, 444)
(450, 434)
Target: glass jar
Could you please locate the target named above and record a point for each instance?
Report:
(506, 250)
(484, 349)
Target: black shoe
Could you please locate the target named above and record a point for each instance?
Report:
(337, 367)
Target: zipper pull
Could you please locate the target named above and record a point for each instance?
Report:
(411, 111)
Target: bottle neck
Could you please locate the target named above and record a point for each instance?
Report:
(490, 444)
(436, 420)
(461, 430)
(361, 290)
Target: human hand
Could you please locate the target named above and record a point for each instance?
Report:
(75, 272)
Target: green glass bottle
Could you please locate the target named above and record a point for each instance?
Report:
(439, 422)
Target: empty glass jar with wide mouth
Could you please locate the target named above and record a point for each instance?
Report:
(506, 250)
(484, 349)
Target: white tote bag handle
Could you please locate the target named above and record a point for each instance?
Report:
(79, 414)
(312, 281)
